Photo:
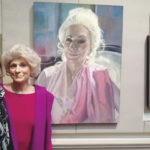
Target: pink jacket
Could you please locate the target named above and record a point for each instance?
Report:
(97, 104)
(92, 98)
(42, 130)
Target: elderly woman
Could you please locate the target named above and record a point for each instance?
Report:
(83, 90)
(29, 106)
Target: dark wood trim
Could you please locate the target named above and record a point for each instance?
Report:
(148, 70)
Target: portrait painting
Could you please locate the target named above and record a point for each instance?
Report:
(80, 46)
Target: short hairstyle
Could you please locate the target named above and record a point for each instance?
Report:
(22, 51)
(88, 19)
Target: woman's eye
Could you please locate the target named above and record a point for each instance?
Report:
(12, 66)
(81, 41)
(69, 40)
(23, 65)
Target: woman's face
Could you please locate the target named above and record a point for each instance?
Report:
(77, 43)
(19, 70)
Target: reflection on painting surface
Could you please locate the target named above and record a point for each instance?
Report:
(80, 47)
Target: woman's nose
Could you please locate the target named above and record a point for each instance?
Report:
(73, 45)
(18, 68)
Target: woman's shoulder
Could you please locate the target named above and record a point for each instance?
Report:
(98, 71)
(40, 89)
(44, 97)
(94, 67)
(53, 69)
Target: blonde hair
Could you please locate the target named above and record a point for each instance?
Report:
(88, 19)
(22, 51)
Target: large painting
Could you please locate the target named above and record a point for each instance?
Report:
(80, 47)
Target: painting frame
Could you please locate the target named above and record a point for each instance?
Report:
(40, 29)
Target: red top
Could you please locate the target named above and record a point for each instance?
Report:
(22, 108)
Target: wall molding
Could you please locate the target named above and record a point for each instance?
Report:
(121, 143)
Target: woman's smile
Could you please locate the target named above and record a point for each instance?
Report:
(20, 75)
(73, 54)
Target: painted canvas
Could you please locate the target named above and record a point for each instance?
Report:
(80, 46)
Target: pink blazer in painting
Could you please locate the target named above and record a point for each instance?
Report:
(92, 97)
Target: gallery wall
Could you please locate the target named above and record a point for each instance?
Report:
(16, 26)
(0, 16)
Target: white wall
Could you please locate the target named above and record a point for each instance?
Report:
(17, 23)
(0, 17)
